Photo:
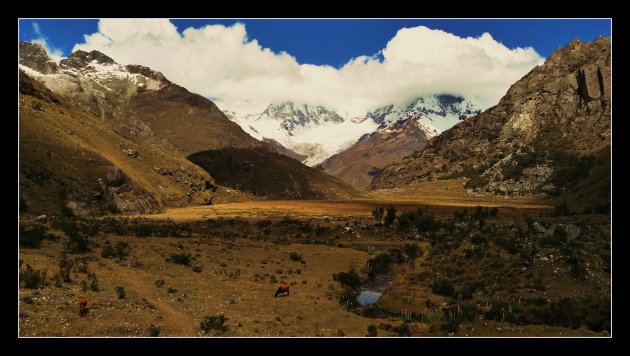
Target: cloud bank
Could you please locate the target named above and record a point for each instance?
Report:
(223, 62)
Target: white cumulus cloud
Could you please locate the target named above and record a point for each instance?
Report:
(54, 53)
(223, 62)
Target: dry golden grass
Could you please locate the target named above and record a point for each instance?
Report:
(76, 147)
(443, 197)
(309, 310)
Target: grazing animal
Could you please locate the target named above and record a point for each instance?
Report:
(283, 289)
(82, 306)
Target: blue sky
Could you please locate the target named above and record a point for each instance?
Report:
(334, 42)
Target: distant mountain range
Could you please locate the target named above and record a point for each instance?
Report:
(311, 132)
(317, 133)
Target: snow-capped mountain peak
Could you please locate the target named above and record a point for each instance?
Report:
(435, 113)
(314, 132)
(294, 116)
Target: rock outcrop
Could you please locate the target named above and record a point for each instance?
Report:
(539, 133)
(34, 56)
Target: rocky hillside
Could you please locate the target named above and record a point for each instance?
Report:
(34, 56)
(141, 104)
(540, 139)
(140, 115)
(73, 163)
(402, 130)
(358, 164)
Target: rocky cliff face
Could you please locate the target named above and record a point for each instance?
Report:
(34, 56)
(535, 141)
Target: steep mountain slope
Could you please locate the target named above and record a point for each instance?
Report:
(72, 162)
(539, 139)
(284, 151)
(271, 175)
(402, 130)
(310, 131)
(140, 103)
(34, 56)
(358, 164)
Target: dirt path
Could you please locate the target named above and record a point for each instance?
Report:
(178, 320)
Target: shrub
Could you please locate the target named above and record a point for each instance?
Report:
(31, 236)
(143, 230)
(77, 243)
(171, 290)
(295, 256)
(372, 331)
(421, 220)
(213, 322)
(120, 250)
(120, 291)
(348, 279)
(379, 264)
(180, 258)
(32, 279)
(391, 216)
(65, 267)
(451, 325)
(159, 283)
(402, 330)
(154, 331)
(442, 286)
(92, 282)
(348, 298)
(197, 268)
(377, 213)
(412, 251)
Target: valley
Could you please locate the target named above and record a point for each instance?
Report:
(147, 210)
(232, 257)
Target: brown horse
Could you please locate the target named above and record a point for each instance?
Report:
(283, 289)
(82, 305)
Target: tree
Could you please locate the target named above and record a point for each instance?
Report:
(391, 216)
(377, 213)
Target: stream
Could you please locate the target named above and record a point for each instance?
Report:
(372, 290)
